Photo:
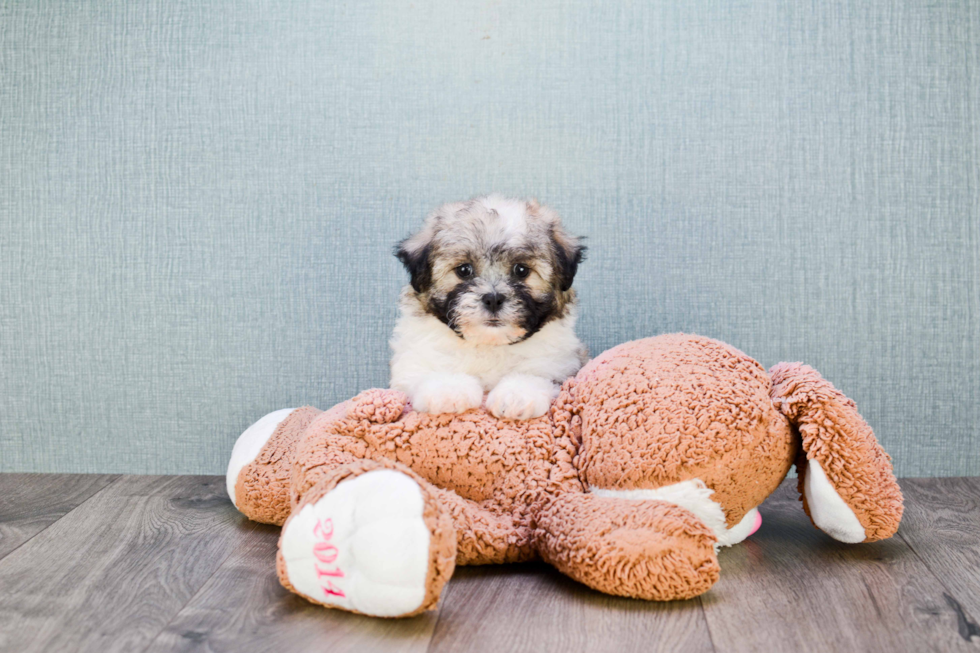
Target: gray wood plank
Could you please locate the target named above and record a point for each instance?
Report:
(167, 562)
(110, 574)
(533, 608)
(243, 608)
(793, 587)
(942, 525)
(29, 503)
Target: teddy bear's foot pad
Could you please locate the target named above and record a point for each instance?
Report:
(363, 546)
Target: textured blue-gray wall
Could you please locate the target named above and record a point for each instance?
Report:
(198, 200)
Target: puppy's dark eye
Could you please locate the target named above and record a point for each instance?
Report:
(464, 271)
(521, 271)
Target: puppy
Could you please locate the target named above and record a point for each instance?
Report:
(490, 307)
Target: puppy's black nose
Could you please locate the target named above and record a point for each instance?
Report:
(493, 301)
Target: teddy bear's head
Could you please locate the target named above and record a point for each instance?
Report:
(660, 411)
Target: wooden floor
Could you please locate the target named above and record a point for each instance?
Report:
(140, 563)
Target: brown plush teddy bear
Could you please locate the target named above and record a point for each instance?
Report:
(655, 454)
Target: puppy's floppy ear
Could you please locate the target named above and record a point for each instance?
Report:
(569, 252)
(414, 253)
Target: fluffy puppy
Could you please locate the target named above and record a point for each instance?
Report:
(490, 307)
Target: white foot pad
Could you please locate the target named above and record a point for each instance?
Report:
(829, 512)
(250, 443)
(363, 546)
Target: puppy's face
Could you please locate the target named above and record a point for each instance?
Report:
(494, 270)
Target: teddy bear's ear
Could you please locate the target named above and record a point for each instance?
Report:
(846, 478)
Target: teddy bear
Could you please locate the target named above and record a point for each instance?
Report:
(658, 452)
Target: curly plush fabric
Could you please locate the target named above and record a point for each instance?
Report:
(835, 435)
(265, 482)
(670, 428)
(644, 550)
(496, 470)
(680, 407)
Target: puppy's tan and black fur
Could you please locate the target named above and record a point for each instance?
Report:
(490, 297)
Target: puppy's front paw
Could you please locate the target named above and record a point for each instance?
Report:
(448, 393)
(521, 396)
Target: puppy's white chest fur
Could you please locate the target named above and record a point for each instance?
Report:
(423, 346)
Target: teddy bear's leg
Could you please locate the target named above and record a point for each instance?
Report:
(329, 443)
(258, 477)
(845, 477)
(483, 536)
(646, 549)
(370, 537)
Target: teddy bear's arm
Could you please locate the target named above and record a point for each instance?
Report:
(650, 550)
(483, 536)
